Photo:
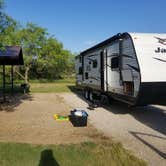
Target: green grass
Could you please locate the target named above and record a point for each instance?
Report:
(43, 86)
(67, 80)
(85, 154)
(56, 86)
(51, 87)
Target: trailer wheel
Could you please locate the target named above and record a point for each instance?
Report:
(91, 97)
(105, 99)
(86, 94)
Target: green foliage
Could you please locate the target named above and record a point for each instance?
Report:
(44, 55)
(1, 4)
(8, 31)
(8, 27)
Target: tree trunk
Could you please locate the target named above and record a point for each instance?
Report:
(27, 74)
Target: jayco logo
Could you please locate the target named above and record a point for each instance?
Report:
(159, 49)
(160, 40)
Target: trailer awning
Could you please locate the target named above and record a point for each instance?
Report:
(11, 55)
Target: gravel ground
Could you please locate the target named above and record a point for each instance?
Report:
(29, 119)
(141, 130)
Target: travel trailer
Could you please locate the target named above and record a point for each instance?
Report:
(130, 67)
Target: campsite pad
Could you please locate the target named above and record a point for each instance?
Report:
(31, 121)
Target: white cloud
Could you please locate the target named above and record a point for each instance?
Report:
(90, 43)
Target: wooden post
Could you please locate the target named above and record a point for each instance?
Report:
(12, 79)
(4, 84)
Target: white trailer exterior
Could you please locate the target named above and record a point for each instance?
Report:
(130, 67)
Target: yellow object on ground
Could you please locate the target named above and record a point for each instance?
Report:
(61, 118)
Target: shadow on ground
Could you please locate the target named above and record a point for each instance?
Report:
(13, 101)
(139, 136)
(150, 116)
(47, 158)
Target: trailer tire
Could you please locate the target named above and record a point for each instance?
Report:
(91, 96)
(86, 94)
(105, 99)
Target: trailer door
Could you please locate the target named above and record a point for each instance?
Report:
(114, 83)
(102, 70)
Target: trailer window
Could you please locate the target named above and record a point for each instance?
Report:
(86, 75)
(80, 71)
(95, 63)
(88, 68)
(115, 63)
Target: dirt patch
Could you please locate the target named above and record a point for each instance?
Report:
(31, 121)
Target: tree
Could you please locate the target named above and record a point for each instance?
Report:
(32, 38)
(8, 28)
(58, 62)
(2, 21)
(44, 55)
(55, 58)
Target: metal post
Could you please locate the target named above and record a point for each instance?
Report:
(12, 79)
(4, 95)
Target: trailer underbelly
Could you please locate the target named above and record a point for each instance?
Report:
(152, 93)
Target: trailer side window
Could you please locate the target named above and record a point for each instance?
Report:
(80, 71)
(88, 68)
(115, 63)
(95, 63)
(86, 75)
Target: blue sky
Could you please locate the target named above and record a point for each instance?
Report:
(79, 24)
